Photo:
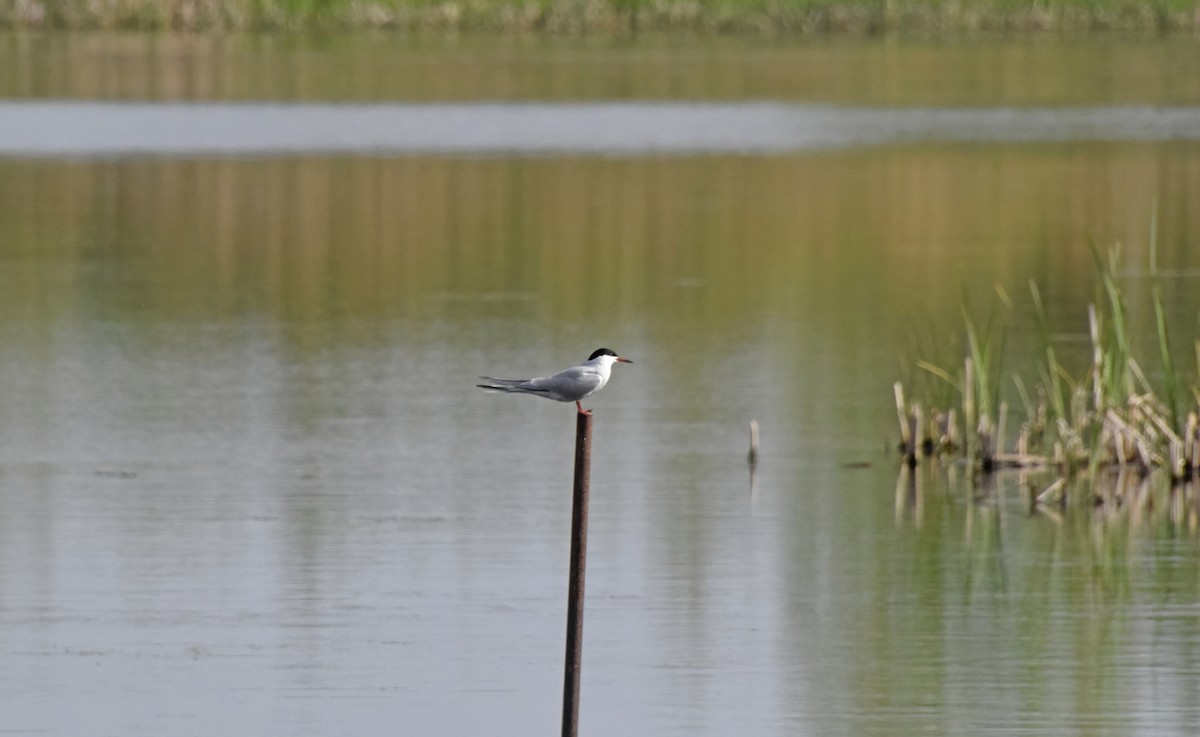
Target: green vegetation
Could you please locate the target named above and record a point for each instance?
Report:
(612, 16)
(1109, 416)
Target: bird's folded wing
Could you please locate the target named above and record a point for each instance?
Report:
(572, 383)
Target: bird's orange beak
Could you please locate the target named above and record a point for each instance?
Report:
(623, 360)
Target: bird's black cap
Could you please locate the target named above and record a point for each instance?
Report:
(601, 352)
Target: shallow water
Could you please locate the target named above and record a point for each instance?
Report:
(247, 485)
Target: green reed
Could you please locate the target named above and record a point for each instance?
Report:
(1108, 415)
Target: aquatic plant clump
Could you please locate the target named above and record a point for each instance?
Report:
(793, 17)
(1109, 417)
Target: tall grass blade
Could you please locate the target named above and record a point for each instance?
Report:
(1026, 403)
(1119, 383)
(1170, 379)
(1050, 371)
(939, 372)
(979, 359)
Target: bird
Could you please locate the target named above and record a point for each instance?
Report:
(571, 385)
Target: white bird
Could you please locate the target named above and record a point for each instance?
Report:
(571, 385)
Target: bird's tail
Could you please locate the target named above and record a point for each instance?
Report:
(501, 385)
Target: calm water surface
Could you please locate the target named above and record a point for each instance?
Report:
(100, 129)
(247, 486)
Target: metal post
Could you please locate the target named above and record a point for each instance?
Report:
(579, 521)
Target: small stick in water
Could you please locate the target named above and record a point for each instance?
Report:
(752, 456)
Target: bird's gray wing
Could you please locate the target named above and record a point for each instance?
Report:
(575, 383)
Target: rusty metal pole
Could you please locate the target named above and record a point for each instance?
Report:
(579, 521)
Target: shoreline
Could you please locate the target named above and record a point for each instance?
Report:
(610, 17)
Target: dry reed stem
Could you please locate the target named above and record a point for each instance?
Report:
(902, 415)
(1053, 492)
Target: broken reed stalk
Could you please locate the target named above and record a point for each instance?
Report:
(919, 429)
(969, 410)
(1000, 428)
(902, 414)
(908, 443)
(1191, 448)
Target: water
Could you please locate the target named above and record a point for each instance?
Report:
(625, 129)
(247, 486)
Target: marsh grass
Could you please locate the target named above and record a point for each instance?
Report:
(1107, 417)
(772, 17)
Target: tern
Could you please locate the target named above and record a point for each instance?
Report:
(572, 385)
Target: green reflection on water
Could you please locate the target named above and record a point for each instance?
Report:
(704, 244)
(983, 613)
(1055, 71)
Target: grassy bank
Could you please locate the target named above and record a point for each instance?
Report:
(774, 17)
